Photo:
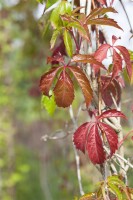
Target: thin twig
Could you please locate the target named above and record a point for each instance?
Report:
(123, 159)
(131, 29)
(76, 154)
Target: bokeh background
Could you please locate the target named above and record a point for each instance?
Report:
(30, 168)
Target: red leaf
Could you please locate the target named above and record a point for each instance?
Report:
(126, 57)
(103, 2)
(104, 21)
(101, 52)
(83, 82)
(80, 135)
(56, 58)
(86, 59)
(100, 11)
(114, 39)
(111, 113)
(108, 88)
(117, 64)
(47, 80)
(64, 90)
(111, 135)
(94, 146)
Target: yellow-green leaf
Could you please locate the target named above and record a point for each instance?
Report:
(63, 8)
(68, 42)
(115, 190)
(54, 37)
(49, 104)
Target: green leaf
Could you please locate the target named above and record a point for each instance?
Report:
(50, 3)
(68, 42)
(115, 190)
(63, 8)
(89, 196)
(40, 1)
(54, 37)
(115, 180)
(49, 104)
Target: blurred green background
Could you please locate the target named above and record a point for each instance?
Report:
(31, 169)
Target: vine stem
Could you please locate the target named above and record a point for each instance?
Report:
(76, 153)
(131, 29)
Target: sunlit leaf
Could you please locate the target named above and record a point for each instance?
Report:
(116, 180)
(68, 42)
(50, 3)
(49, 104)
(90, 196)
(63, 8)
(54, 38)
(40, 1)
(115, 190)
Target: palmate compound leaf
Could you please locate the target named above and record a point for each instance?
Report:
(47, 80)
(64, 90)
(87, 137)
(83, 83)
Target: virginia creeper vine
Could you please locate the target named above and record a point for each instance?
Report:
(75, 56)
